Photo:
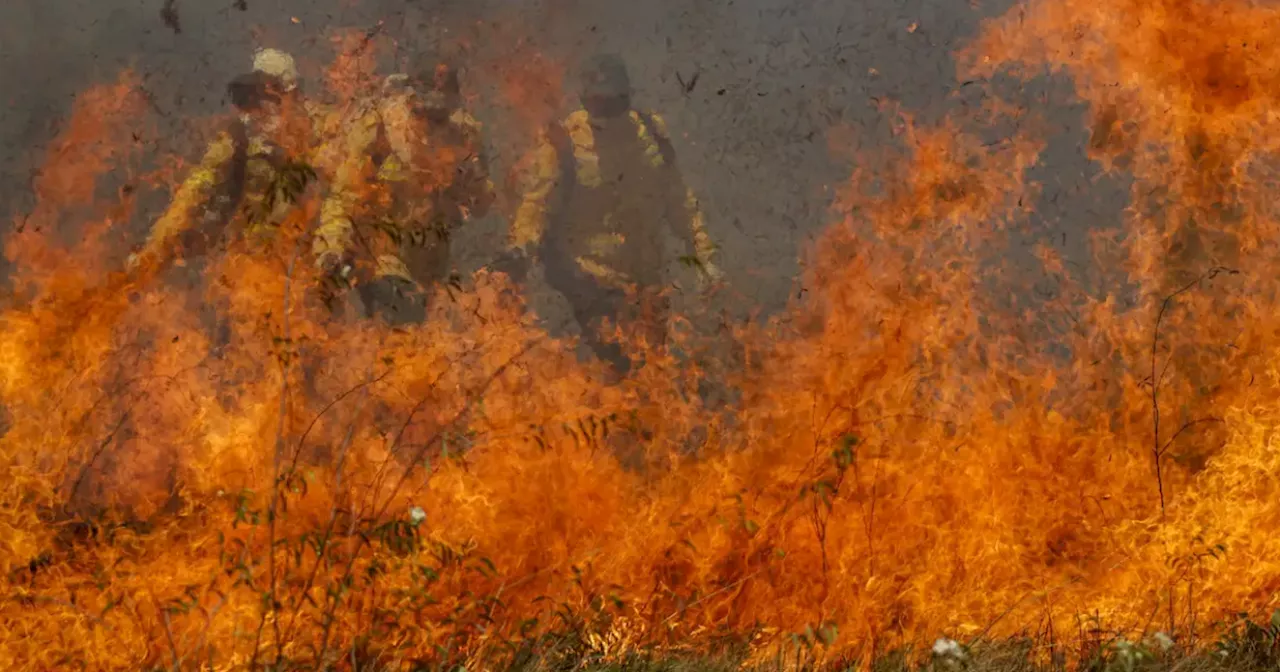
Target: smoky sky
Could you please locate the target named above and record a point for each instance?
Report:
(750, 88)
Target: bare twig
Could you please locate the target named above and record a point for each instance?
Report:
(714, 593)
(1046, 593)
(471, 399)
(208, 622)
(297, 452)
(329, 617)
(102, 446)
(168, 633)
(1188, 425)
(332, 603)
(394, 447)
(323, 544)
(91, 618)
(275, 475)
(371, 33)
(280, 441)
(1158, 378)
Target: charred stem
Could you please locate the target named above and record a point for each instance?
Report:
(102, 447)
(272, 605)
(1157, 449)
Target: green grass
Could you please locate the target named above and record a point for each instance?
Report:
(1253, 655)
(1245, 646)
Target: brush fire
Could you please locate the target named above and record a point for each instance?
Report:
(274, 433)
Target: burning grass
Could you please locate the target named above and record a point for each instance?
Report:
(909, 453)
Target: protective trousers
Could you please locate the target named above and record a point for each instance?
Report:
(594, 302)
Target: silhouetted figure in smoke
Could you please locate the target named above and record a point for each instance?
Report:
(603, 185)
(240, 180)
(237, 173)
(416, 173)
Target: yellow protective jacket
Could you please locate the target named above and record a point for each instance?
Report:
(597, 195)
(233, 174)
(401, 189)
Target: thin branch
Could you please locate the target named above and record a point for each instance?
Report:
(395, 446)
(471, 399)
(102, 446)
(999, 618)
(168, 633)
(714, 593)
(275, 479)
(285, 361)
(208, 620)
(332, 600)
(1184, 428)
(297, 452)
(1158, 378)
(92, 618)
(1044, 596)
(333, 513)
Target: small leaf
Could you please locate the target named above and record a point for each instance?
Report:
(827, 634)
(844, 453)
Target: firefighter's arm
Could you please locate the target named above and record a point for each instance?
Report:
(704, 247)
(700, 241)
(486, 193)
(476, 172)
(194, 193)
(335, 235)
(530, 222)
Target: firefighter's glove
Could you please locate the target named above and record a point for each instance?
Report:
(710, 277)
(336, 277)
(514, 264)
(394, 300)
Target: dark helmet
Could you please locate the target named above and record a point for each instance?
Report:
(444, 78)
(251, 91)
(606, 76)
(606, 86)
(441, 92)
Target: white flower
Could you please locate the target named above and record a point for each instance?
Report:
(1164, 641)
(417, 515)
(948, 648)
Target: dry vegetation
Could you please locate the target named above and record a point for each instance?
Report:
(908, 454)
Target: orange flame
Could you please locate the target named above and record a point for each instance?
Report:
(909, 456)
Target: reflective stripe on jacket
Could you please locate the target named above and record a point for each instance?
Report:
(234, 168)
(572, 147)
(386, 169)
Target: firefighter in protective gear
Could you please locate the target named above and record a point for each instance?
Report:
(415, 172)
(603, 181)
(271, 131)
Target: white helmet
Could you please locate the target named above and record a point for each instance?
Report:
(277, 64)
(396, 84)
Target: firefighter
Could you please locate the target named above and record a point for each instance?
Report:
(416, 172)
(603, 182)
(271, 131)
